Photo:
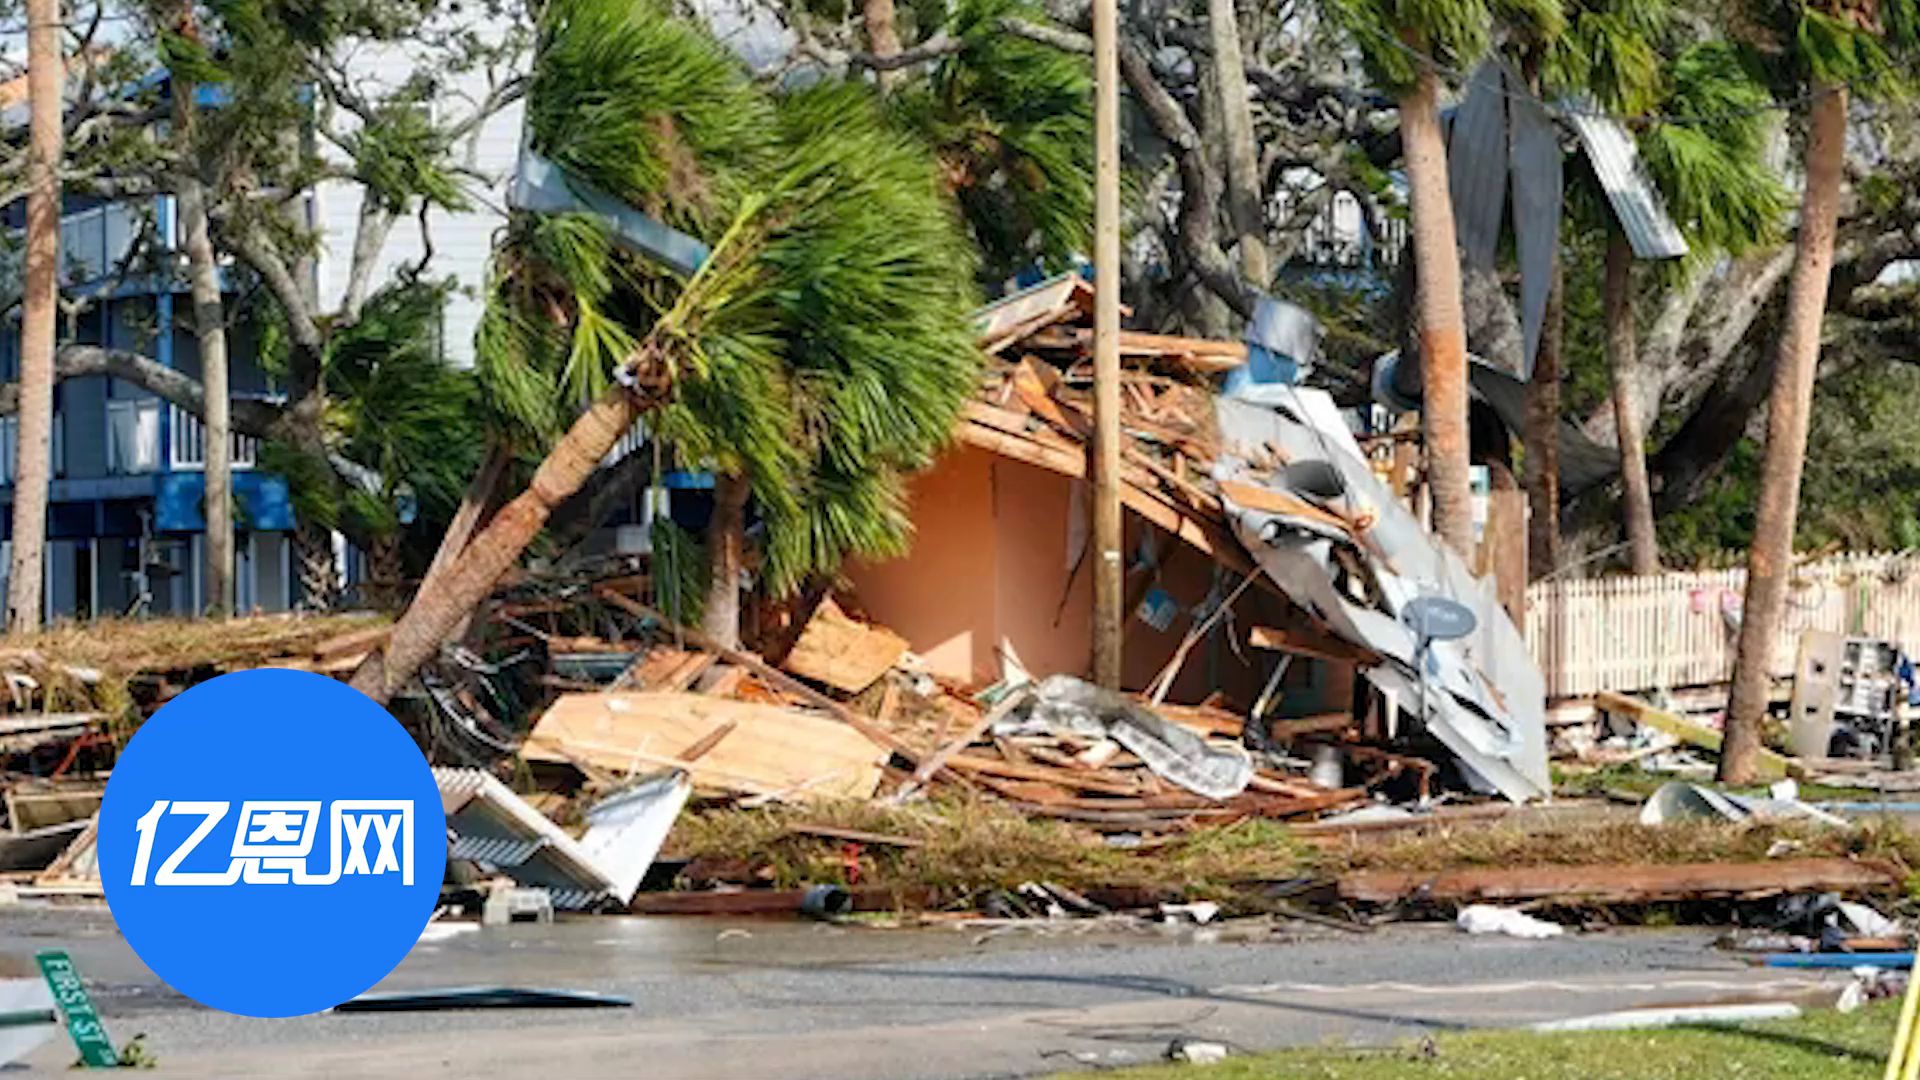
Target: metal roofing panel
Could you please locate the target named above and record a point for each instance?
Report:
(1477, 164)
(488, 811)
(1636, 202)
(1483, 696)
(1538, 177)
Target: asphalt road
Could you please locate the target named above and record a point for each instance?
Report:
(782, 1000)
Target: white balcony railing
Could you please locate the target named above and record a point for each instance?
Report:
(188, 450)
(630, 442)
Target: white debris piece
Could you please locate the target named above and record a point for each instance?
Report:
(1487, 919)
(1197, 1051)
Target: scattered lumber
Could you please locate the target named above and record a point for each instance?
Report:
(1773, 766)
(1621, 883)
(841, 652)
(768, 750)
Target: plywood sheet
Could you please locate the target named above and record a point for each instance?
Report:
(841, 652)
(770, 751)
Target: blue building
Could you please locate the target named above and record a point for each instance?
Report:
(125, 528)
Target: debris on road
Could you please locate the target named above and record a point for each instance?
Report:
(1487, 919)
(496, 829)
(1622, 883)
(481, 997)
(1671, 1016)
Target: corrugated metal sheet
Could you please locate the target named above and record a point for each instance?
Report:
(1636, 202)
(499, 851)
(495, 827)
(487, 817)
(1482, 695)
(1477, 165)
(1538, 181)
(1057, 296)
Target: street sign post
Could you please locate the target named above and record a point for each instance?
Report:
(83, 1020)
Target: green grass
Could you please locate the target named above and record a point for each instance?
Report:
(1822, 1045)
(967, 845)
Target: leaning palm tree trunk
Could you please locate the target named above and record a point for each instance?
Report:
(45, 76)
(1787, 408)
(1443, 331)
(566, 469)
(726, 553)
(1636, 496)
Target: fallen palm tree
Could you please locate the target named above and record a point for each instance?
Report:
(814, 352)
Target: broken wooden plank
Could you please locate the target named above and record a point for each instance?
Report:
(685, 673)
(769, 901)
(720, 681)
(776, 751)
(1620, 883)
(1295, 726)
(1034, 383)
(973, 733)
(1205, 719)
(650, 667)
(1306, 642)
(855, 836)
(773, 677)
(842, 652)
(1773, 766)
(1067, 778)
(353, 641)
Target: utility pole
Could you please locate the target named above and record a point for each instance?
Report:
(1108, 594)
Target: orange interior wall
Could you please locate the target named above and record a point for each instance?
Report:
(990, 567)
(1045, 609)
(940, 596)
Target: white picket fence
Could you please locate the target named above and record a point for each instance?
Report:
(1633, 634)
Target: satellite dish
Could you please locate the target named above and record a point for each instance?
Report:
(1436, 618)
(1316, 478)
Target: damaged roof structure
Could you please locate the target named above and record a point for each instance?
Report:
(1267, 478)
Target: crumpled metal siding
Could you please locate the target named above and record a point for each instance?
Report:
(1485, 697)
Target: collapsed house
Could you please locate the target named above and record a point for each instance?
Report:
(1263, 483)
(1285, 655)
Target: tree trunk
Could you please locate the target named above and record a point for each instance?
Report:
(466, 518)
(1243, 156)
(421, 629)
(313, 562)
(1769, 560)
(1443, 334)
(45, 79)
(1543, 435)
(386, 573)
(210, 329)
(883, 37)
(726, 557)
(1636, 496)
